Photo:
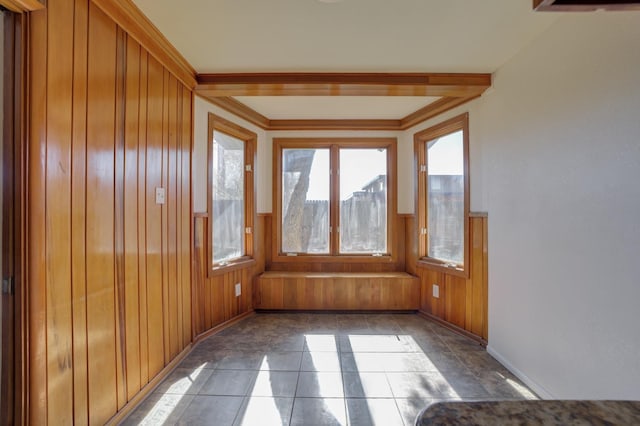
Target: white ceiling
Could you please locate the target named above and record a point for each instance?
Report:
(335, 107)
(425, 36)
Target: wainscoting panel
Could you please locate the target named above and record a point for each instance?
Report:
(462, 302)
(214, 299)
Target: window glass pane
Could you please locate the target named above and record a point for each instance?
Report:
(228, 197)
(305, 200)
(445, 198)
(363, 200)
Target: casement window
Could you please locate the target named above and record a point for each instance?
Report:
(443, 195)
(334, 197)
(231, 196)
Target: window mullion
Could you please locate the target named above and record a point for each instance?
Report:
(335, 200)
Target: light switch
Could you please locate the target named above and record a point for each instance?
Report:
(159, 195)
(238, 289)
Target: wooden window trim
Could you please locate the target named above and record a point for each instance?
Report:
(282, 143)
(217, 123)
(460, 122)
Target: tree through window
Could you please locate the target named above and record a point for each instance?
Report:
(333, 196)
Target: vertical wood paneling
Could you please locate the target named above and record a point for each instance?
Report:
(484, 297)
(131, 214)
(119, 237)
(430, 304)
(166, 303)
(185, 215)
(100, 217)
(36, 221)
(110, 291)
(143, 190)
(171, 106)
(154, 260)
(455, 290)
(58, 213)
(78, 203)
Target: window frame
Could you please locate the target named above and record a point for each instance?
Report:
(334, 145)
(219, 124)
(457, 123)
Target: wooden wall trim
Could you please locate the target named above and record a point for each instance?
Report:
(585, 6)
(433, 109)
(478, 214)
(127, 15)
(334, 125)
(429, 111)
(453, 327)
(218, 328)
(332, 84)
(240, 110)
(20, 6)
(132, 404)
(14, 323)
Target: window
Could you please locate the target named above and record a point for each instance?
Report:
(334, 197)
(231, 197)
(443, 194)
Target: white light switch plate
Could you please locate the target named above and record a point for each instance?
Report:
(238, 289)
(159, 195)
(436, 291)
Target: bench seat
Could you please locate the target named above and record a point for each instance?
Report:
(341, 291)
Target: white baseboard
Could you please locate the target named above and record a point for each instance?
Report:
(536, 387)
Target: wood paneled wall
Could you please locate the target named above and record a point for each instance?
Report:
(109, 269)
(462, 302)
(214, 299)
(350, 291)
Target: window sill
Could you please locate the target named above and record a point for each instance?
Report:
(241, 263)
(435, 265)
(347, 258)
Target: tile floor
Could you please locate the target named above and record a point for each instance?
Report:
(325, 369)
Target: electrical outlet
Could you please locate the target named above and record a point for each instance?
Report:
(238, 289)
(159, 195)
(436, 291)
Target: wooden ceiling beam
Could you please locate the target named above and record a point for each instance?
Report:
(342, 84)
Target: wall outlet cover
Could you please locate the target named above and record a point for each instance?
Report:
(436, 291)
(159, 195)
(238, 289)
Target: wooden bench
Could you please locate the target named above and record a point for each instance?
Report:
(365, 291)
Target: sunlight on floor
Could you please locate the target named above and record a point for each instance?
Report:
(170, 400)
(526, 393)
(360, 369)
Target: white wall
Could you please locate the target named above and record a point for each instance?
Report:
(555, 155)
(202, 108)
(265, 157)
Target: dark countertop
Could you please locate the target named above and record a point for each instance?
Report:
(531, 413)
